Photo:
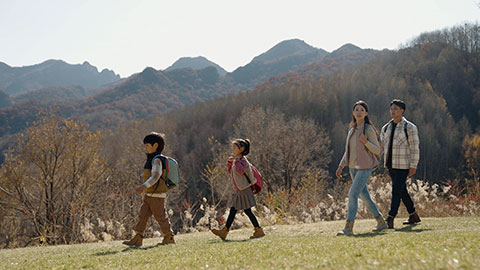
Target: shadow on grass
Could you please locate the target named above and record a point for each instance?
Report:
(139, 248)
(228, 241)
(369, 234)
(106, 253)
(411, 228)
(127, 249)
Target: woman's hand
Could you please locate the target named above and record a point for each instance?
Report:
(338, 173)
(231, 159)
(363, 139)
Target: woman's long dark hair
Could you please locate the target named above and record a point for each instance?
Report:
(353, 123)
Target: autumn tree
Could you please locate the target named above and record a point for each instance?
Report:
(53, 178)
(283, 149)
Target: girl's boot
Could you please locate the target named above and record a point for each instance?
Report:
(222, 233)
(257, 233)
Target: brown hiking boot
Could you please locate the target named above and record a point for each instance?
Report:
(257, 233)
(389, 221)
(381, 224)
(222, 233)
(348, 230)
(167, 239)
(413, 219)
(136, 241)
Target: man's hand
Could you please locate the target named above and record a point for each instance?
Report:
(411, 171)
(140, 189)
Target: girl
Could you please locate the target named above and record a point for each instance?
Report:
(360, 150)
(243, 199)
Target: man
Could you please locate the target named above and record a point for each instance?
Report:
(399, 138)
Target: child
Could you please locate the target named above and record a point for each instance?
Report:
(243, 199)
(155, 192)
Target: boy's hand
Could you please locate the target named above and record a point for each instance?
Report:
(140, 189)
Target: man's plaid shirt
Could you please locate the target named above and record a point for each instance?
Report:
(405, 154)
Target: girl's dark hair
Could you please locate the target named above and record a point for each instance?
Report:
(353, 123)
(155, 137)
(245, 143)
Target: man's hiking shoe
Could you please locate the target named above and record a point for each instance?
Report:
(389, 221)
(413, 219)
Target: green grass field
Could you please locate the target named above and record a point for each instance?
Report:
(437, 243)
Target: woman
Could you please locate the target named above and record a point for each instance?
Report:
(360, 149)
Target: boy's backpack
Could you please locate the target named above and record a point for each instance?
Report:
(170, 171)
(257, 187)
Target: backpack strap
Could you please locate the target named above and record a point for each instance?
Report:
(404, 128)
(163, 176)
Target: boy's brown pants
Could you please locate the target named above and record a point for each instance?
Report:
(156, 207)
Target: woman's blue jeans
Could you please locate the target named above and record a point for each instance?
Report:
(359, 189)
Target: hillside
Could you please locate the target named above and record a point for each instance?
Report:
(52, 73)
(4, 99)
(438, 243)
(287, 56)
(155, 92)
(199, 62)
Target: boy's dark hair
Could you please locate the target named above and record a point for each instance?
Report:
(155, 137)
(243, 143)
(399, 103)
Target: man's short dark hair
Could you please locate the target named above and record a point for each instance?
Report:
(399, 103)
(155, 137)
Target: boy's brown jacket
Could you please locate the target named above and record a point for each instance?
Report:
(157, 188)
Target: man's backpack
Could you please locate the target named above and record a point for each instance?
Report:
(404, 128)
(170, 171)
(258, 185)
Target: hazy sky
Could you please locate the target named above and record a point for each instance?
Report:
(127, 36)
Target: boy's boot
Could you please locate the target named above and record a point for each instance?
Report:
(348, 230)
(381, 224)
(389, 221)
(136, 241)
(222, 233)
(413, 219)
(257, 233)
(167, 239)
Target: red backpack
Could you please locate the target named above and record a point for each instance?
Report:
(257, 186)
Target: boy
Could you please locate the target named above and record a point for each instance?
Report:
(155, 192)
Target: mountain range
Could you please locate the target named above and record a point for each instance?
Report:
(153, 92)
(52, 73)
